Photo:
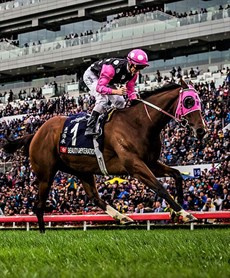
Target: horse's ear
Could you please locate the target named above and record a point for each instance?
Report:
(191, 83)
(183, 84)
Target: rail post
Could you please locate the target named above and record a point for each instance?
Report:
(148, 225)
(192, 226)
(84, 226)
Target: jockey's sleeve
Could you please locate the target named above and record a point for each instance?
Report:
(107, 73)
(130, 86)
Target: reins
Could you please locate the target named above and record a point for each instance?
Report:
(181, 109)
(181, 121)
(158, 109)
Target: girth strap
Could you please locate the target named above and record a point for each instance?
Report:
(99, 156)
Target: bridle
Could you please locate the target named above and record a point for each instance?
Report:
(188, 102)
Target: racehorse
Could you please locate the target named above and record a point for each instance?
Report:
(132, 146)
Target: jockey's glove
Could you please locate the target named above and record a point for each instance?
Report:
(134, 102)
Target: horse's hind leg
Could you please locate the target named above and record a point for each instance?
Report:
(45, 176)
(43, 192)
(91, 190)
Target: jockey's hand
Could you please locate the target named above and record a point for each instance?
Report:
(121, 91)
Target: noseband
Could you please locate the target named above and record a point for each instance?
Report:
(188, 102)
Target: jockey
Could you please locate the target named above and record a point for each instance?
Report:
(109, 80)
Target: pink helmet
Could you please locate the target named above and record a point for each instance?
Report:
(138, 57)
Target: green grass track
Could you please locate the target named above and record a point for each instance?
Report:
(115, 253)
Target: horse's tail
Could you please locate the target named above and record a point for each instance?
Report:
(12, 145)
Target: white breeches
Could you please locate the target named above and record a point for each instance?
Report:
(101, 104)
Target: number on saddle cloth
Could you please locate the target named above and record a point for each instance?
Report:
(73, 141)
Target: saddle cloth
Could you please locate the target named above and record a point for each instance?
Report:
(73, 141)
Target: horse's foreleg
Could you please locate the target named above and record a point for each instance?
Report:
(91, 190)
(42, 196)
(163, 193)
(161, 170)
(140, 171)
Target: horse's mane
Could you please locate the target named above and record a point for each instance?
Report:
(167, 87)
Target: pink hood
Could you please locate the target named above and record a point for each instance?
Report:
(190, 92)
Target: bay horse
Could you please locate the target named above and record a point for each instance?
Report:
(132, 146)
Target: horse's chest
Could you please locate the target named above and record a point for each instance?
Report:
(152, 152)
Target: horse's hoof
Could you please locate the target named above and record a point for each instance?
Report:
(189, 219)
(126, 221)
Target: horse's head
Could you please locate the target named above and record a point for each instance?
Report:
(189, 111)
(186, 107)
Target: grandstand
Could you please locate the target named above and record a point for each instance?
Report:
(57, 40)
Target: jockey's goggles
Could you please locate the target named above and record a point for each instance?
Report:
(139, 67)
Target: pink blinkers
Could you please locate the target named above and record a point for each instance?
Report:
(189, 101)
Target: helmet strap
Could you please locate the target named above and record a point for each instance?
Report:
(130, 65)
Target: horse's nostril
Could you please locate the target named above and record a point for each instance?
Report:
(200, 132)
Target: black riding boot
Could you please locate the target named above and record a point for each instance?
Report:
(91, 124)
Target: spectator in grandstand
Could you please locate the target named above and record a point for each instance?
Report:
(121, 206)
(11, 96)
(140, 208)
(197, 71)
(158, 76)
(102, 78)
(158, 207)
(225, 193)
(209, 206)
(226, 203)
(192, 73)
(71, 184)
(179, 72)
(173, 72)
(218, 202)
(228, 77)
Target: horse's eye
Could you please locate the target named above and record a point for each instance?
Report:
(189, 102)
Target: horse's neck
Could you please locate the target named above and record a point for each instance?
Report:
(155, 119)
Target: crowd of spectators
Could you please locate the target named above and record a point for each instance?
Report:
(18, 187)
(145, 10)
(5, 43)
(18, 192)
(177, 72)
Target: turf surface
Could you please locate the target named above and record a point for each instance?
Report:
(115, 253)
